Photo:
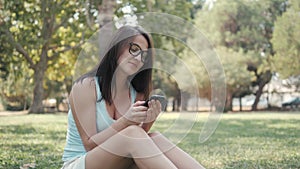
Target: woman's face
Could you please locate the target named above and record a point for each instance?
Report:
(133, 55)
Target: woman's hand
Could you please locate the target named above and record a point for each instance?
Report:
(153, 111)
(136, 114)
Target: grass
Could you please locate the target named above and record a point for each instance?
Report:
(250, 140)
(32, 139)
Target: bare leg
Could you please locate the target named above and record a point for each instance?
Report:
(102, 159)
(180, 158)
(133, 166)
(133, 142)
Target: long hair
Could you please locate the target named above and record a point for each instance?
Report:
(141, 81)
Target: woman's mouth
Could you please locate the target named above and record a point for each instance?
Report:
(133, 64)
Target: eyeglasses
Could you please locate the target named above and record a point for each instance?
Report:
(135, 50)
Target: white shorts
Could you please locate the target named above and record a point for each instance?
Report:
(76, 163)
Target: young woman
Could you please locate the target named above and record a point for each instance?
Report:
(107, 122)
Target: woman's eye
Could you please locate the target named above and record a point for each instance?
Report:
(135, 49)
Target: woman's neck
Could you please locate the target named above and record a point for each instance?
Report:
(122, 83)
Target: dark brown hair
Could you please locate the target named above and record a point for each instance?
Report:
(141, 81)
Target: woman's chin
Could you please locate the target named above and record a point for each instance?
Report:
(129, 71)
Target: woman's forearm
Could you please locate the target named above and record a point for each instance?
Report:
(102, 136)
(147, 126)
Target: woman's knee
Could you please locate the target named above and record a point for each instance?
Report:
(134, 131)
(135, 140)
(154, 134)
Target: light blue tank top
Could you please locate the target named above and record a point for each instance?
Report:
(74, 146)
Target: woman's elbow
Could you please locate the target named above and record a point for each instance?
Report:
(89, 145)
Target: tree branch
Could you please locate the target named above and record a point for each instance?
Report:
(20, 49)
(89, 19)
(56, 54)
(60, 24)
(61, 2)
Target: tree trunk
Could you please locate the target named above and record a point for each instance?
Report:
(240, 101)
(38, 91)
(228, 104)
(174, 104)
(257, 96)
(106, 12)
(184, 101)
(266, 77)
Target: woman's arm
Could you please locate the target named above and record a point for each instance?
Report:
(147, 126)
(83, 104)
(83, 99)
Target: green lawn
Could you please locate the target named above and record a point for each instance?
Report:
(248, 140)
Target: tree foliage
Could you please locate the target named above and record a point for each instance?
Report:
(40, 42)
(245, 26)
(286, 41)
(40, 33)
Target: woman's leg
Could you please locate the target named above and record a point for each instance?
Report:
(133, 166)
(132, 142)
(180, 158)
(102, 159)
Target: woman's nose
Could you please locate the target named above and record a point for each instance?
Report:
(138, 57)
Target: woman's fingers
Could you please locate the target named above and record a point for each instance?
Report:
(139, 113)
(138, 103)
(140, 116)
(139, 108)
(136, 114)
(156, 106)
(153, 110)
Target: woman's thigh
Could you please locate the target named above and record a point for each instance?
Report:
(133, 166)
(102, 159)
(116, 151)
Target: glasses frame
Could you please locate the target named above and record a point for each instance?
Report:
(140, 52)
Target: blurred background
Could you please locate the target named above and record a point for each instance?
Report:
(257, 42)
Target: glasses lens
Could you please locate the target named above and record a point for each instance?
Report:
(144, 55)
(135, 49)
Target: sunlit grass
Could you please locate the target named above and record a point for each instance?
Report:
(32, 139)
(245, 140)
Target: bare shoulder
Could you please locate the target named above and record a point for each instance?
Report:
(86, 83)
(86, 87)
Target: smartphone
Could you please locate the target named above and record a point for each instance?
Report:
(160, 98)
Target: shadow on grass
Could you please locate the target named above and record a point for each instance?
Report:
(27, 130)
(17, 129)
